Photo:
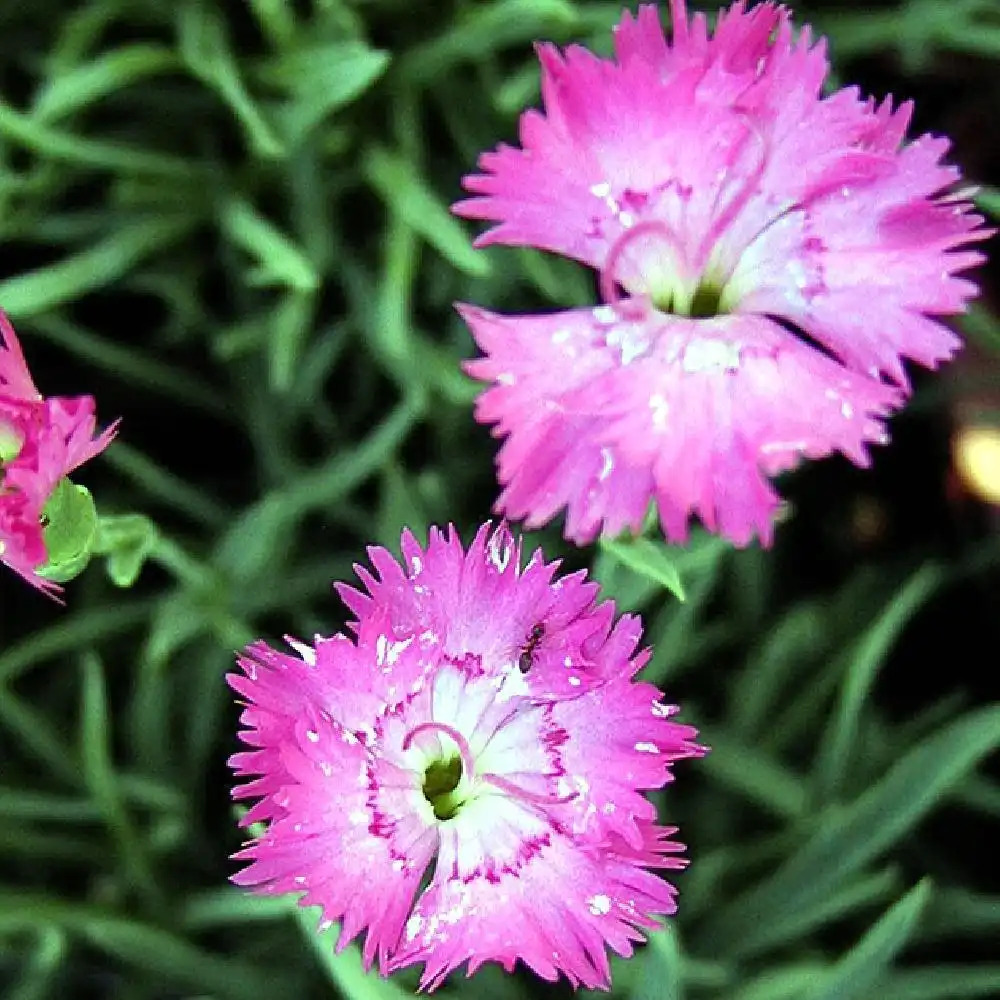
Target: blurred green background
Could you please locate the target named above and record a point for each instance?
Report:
(228, 221)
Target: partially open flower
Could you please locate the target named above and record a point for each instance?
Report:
(463, 780)
(41, 442)
(768, 256)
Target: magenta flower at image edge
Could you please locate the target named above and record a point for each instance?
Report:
(41, 441)
(481, 726)
(724, 203)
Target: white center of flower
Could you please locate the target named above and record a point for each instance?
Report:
(447, 776)
(467, 739)
(710, 355)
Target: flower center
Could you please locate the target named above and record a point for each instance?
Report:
(681, 275)
(441, 781)
(706, 301)
(649, 259)
(451, 778)
(443, 786)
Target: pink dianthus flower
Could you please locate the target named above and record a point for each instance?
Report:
(768, 259)
(463, 777)
(41, 441)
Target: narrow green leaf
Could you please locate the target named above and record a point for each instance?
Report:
(754, 774)
(563, 282)
(291, 323)
(841, 735)
(979, 793)
(211, 698)
(622, 584)
(942, 982)
(771, 667)
(46, 807)
(251, 540)
(38, 979)
(130, 365)
(77, 150)
(650, 559)
(143, 946)
(79, 32)
(205, 49)
(163, 485)
(304, 584)
(276, 18)
(486, 29)
(98, 773)
(399, 505)
(519, 90)
(281, 261)
(988, 199)
(394, 341)
(35, 847)
(95, 267)
(659, 975)
(983, 327)
(234, 907)
(36, 735)
(345, 970)
(865, 891)
(804, 715)
(701, 974)
(851, 836)
(179, 618)
(80, 629)
(27, 804)
(862, 966)
(407, 194)
(787, 982)
(960, 914)
(443, 375)
(68, 91)
(320, 78)
(678, 636)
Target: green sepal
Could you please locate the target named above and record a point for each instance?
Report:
(125, 541)
(69, 531)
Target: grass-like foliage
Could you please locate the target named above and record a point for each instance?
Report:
(229, 222)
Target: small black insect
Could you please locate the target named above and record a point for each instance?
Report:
(527, 654)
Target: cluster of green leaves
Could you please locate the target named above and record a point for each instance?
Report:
(230, 223)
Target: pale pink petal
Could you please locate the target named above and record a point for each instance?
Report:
(631, 742)
(438, 737)
(708, 409)
(707, 140)
(324, 844)
(710, 177)
(465, 604)
(553, 906)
